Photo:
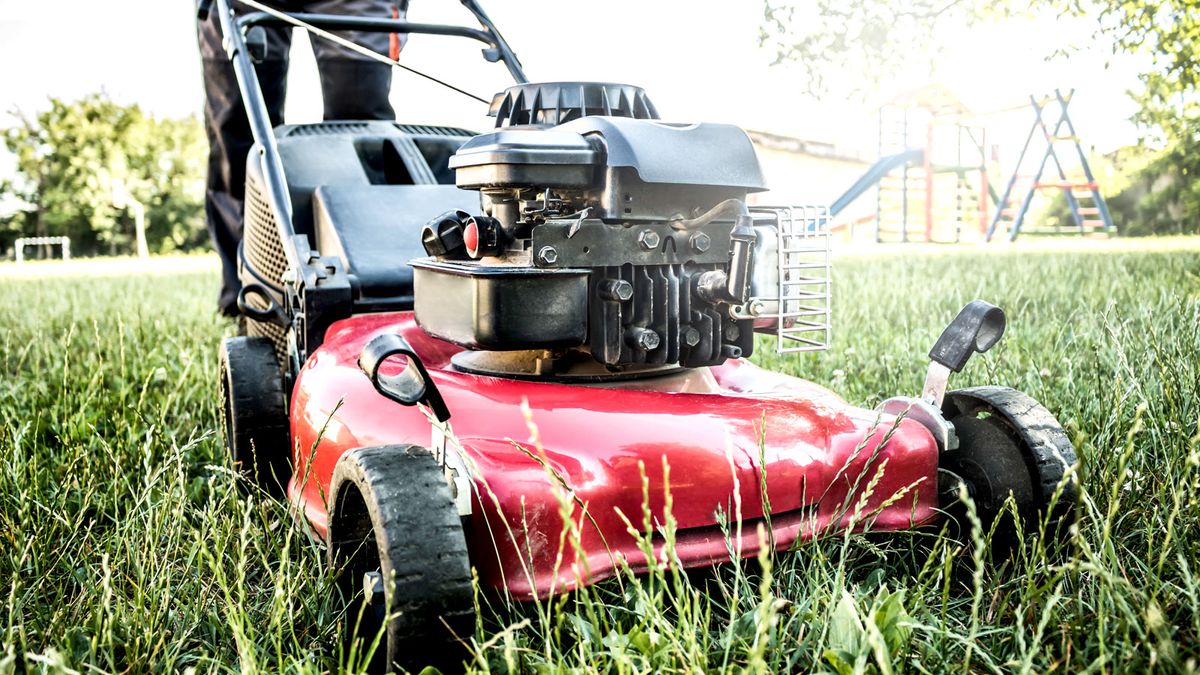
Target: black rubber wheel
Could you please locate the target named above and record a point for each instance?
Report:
(1010, 444)
(255, 413)
(393, 520)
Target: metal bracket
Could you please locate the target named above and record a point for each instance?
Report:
(927, 415)
(453, 465)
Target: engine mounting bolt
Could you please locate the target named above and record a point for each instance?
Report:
(757, 307)
(732, 332)
(617, 290)
(691, 336)
(648, 239)
(643, 339)
(700, 242)
(547, 255)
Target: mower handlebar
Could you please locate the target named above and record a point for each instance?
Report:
(367, 24)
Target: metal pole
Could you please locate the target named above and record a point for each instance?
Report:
(1004, 200)
(503, 50)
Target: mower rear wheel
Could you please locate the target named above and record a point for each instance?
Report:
(1009, 444)
(255, 413)
(397, 549)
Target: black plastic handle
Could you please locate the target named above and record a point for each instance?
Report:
(272, 314)
(412, 385)
(978, 327)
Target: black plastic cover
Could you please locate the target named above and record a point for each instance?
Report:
(552, 103)
(677, 154)
(661, 154)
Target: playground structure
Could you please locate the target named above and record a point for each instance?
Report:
(930, 145)
(1089, 212)
(927, 147)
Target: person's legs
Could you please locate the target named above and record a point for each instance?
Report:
(353, 87)
(229, 141)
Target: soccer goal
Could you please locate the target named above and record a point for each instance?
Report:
(63, 242)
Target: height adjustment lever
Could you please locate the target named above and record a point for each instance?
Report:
(412, 385)
(977, 328)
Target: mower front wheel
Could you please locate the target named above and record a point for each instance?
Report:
(254, 412)
(1009, 444)
(397, 550)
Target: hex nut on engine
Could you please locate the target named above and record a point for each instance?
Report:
(691, 336)
(700, 242)
(648, 239)
(617, 290)
(643, 339)
(547, 255)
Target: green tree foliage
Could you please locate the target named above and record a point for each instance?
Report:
(1164, 195)
(837, 42)
(68, 159)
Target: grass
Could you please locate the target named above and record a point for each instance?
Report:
(126, 546)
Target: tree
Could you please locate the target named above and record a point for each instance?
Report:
(853, 46)
(68, 157)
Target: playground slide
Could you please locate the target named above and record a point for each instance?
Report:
(873, 175)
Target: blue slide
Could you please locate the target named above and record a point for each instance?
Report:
(873, 175)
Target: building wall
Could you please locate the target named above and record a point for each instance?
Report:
(798, 177)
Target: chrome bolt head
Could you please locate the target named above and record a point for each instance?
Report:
(648, 239)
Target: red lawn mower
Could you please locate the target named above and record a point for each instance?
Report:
(593, 273)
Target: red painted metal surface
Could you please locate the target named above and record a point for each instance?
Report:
(724, 433)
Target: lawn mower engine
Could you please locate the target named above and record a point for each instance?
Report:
(610, 244)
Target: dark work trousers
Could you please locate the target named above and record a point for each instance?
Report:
(352, 87)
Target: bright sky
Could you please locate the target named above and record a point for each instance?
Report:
(698, 59)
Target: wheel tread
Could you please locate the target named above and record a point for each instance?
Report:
(255, 410)
(1047, 449)
(417, 528)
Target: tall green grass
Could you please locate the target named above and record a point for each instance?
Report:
(125, 544)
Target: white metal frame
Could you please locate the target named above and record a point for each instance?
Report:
(20, 244)
(800, 308)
